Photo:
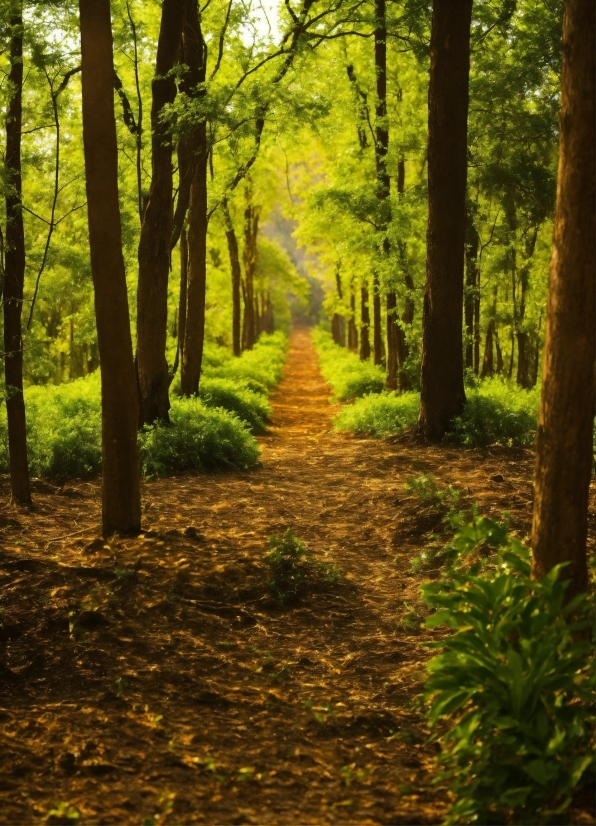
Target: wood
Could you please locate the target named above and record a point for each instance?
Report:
(442, 386)
(121, 503)
(156, 231)
(14, 273)
(364, 324)
(564, 443)
(236, 279)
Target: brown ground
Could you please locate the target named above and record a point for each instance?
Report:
(153, 680)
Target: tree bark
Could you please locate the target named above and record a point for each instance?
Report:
(488, 368)
(352, 328)
(121, 504)
(236, 279)
(472, 295)
(382, 176)
(365, 324)
(14, 272)
(565, 427)
(251, 232)
(156, 231)
(392, 343)
(183, 292)
(442, 387)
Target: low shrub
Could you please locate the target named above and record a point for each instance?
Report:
(249, 406)
(259, 369)
(293, 568)
(497, 412)
(349, 377)
(379, 416)
(512, 694)
(198, 438)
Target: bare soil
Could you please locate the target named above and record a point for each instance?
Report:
(155, 681)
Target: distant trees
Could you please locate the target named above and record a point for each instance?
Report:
(121, 504)
(565, 431)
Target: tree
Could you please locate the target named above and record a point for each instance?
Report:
(14, 271)
(565, 428)
(121, 504)
(156, 230)
(441, 381)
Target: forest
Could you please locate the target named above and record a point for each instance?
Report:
(297, 431)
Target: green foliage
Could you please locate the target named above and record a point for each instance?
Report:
(199, 438)
(249, 406)
(512, 692)
(258, 369)
(349, 377)
(425, 487)
(498, 413)
(293, 568)
(379, 416)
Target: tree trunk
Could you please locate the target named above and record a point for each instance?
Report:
(14, 272)
(183, 292)
(488, 368)
(499, 367)
(121, 504)
(472, 294)
(156, 230)
(442, 387)
(383, 182)
(392, 328)
(565, 427)
(236, 279)
(197, 275)
(251, 231)
(352, 329)
(365, 324)
(377, 329)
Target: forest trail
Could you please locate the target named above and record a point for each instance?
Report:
(153, 680)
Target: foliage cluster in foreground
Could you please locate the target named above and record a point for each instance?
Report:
(511, 696)
(212, 432)
(294, 568)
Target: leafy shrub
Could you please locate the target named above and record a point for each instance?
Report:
(198, 438)
(425, 487)
(513, 691)
(349, 377)
(379, 415)
(498, 413)
(259, 369)
(249, 406)
(293, 567)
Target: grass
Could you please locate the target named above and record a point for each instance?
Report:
(211, 433)
(349, 377)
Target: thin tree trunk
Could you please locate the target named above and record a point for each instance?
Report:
(488, 367)
(365, 324)
(236, 278)
(383, 181)
(14, 271)
(251, 231)
(472, 295)
(121, 504)
(352, 328)
(565, 427)
(499, 368)
(182, 310)
(442, 387)
(392, 328)
(156, 231)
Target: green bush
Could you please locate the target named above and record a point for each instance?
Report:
(379, 416)
(349, 377)
(198, 438)
(498, 412)
(259, 369)
(293, 567)
(249, 406)
(512, 694)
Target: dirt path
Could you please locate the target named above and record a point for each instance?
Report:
(155, 678)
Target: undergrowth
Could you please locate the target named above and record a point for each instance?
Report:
(379, 416)
(349, 377)
(511, 696)
(210, 433)
(294, 569)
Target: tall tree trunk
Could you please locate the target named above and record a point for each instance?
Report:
(251, 232)
(121, 504)
(14, 270)
(352, 328)
(156, 230)
(565, 427)
(197, 276)
(488, 368)
(499, 367)
(183, 292)
(523, 339)
(236, 278)
(472, 294)
(382, 176)
(337, 322)
(442, 386)
(392, 342)
(364, 324)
